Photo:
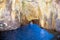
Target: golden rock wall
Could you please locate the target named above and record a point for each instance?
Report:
(18, 12)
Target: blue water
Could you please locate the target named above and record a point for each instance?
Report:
(27, 32)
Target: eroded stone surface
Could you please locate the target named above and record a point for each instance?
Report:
(9, 15)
